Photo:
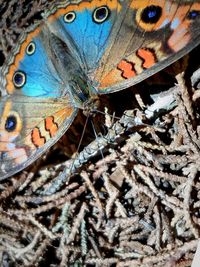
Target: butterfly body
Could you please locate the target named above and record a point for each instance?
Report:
(83, 49)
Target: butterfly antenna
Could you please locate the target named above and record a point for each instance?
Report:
(81, 139)
(96, 135)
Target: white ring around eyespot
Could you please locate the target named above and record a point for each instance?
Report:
(32, 46)
(107, 13)
(23, 79)
(69, 17)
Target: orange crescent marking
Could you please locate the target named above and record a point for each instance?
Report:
(147, 56)
(127, 69)
(37, 139)
(4, 116)
(51, 126)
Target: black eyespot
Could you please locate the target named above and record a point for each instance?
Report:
(69, 17)
(101, 14)
(30, 49)
(19, 79)
(193, 14)
(11, 123)
(151, 14)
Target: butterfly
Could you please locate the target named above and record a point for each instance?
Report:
(80, 50)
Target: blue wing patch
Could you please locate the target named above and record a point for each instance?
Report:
(89, 30)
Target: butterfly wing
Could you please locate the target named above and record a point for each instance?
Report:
(28, 126)
(84, 26)
(123, 42)
(36, 106)
(146, 37)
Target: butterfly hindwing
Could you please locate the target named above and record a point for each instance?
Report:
(28, 126)
(145, 39)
